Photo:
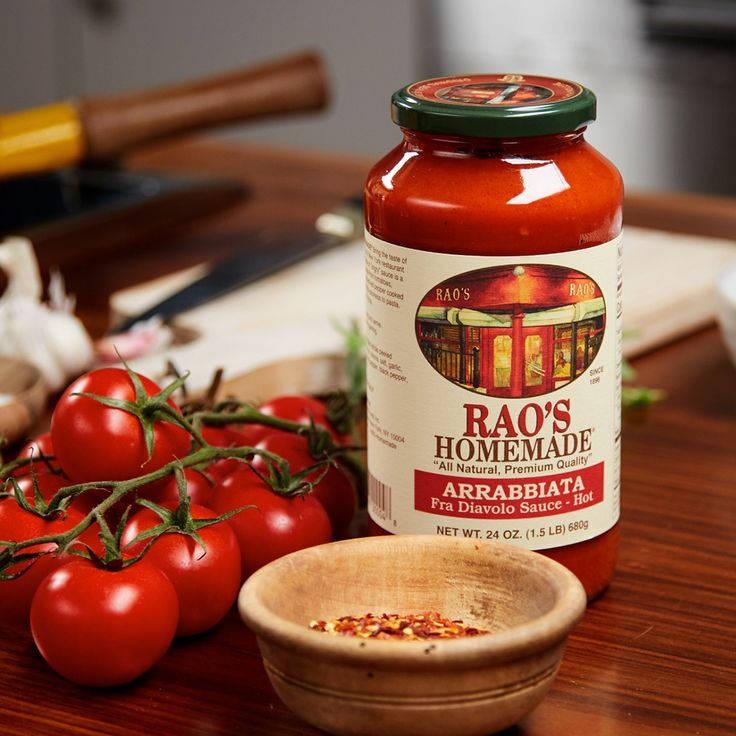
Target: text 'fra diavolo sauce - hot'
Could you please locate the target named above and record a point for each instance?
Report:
(493, 267)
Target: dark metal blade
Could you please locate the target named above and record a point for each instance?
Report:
(265, 254)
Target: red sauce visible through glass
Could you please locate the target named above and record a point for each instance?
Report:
(527, 196)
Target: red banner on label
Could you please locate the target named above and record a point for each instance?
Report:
(508, 498)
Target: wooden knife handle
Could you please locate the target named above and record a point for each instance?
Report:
(113, 125)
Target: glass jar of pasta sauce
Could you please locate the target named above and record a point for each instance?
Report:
(493, 270)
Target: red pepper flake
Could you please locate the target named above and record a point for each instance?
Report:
(409, 627)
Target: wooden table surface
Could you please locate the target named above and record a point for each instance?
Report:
(654, 655)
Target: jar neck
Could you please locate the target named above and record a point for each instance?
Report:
(487, 147)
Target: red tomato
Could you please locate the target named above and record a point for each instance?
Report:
(19, 525)
(335, 491)
(49, 483)
(245, 435)
(97, 442)
(223, 437)
(98, 627)
(206, 582)
(38, 446)
(296, 408)
(222, 468)
(35, 449)
(86, 501)
(199, 489)
(276, 527)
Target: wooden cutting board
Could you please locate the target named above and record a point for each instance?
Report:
(669, 291)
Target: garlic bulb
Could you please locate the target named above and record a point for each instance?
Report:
(47, 335)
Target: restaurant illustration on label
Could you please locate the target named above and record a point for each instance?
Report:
(512, 331)
(495, 93)
(495, 90)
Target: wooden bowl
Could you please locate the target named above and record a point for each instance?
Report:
(22, 398)
(310, 374)
(473, 685)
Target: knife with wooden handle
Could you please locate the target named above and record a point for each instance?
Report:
(103, 128)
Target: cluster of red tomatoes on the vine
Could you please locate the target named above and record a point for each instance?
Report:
(131, 522)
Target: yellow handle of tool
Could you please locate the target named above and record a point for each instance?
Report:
(40, 139)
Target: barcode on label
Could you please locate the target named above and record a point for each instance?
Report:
(379, 496)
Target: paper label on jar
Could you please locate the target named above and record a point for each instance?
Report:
(494, 393)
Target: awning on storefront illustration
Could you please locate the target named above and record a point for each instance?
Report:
(554, 316)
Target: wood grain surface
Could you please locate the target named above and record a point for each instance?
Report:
(654, 656)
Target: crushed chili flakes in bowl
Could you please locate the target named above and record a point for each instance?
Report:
(429, 625)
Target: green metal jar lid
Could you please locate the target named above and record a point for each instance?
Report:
(493, 106)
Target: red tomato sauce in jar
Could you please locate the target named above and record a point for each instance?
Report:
(493, 321)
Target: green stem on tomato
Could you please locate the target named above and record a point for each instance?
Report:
(192, 427)
(119, 489)
(251, 415)
(206, 454)
(20, 462)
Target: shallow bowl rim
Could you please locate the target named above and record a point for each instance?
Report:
(538, 634)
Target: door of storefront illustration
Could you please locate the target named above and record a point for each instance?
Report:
(517, 362)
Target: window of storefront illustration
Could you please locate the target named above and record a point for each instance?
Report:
(502, 361)
(533, 362)
(587, 344)
(453, 351)
(562, 348)
(436, 331)
(571, 362)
